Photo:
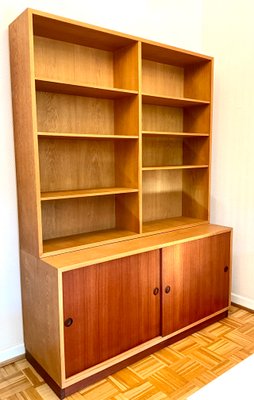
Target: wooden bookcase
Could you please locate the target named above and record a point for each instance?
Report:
(119, 133)
(112, 142)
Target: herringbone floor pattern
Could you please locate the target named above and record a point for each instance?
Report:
(173, 373)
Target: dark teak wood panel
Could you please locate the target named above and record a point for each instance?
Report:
(113, 309)
(198, 275)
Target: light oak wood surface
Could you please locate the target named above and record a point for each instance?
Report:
(92, 83)
(162, 79)
(26, 154)
(41, 313)
(46, 196)
(113, 251)
(59, 60)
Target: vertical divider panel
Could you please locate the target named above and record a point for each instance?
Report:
(126, 67)
(140, 194)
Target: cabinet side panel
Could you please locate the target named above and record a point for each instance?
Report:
(41, 314)
(198, 81)
(23, 99)
(126, 67)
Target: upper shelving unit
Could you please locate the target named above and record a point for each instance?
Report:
(118, 133)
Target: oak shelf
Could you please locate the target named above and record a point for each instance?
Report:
(80, 89)
(174, 134)
(72, 194)
(63, 244)
(173, 167)
(174, 223)
(85, 136)
(172, 101)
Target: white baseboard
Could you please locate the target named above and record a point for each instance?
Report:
(12, 352)
(242, 301)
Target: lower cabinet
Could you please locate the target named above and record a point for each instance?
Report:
(195, 278)
(114, 306)
(98, 316)
(110, 308)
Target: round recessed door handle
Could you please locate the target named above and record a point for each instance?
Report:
(156, 291)
(68, 322)
(226, 268)
(167, 289)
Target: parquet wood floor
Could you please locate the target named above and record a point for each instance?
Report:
(174, 372)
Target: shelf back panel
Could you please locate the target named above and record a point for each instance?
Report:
(196, 193)
(162, 79)
(58, 60)
(162, 195)
(161, 118)
(162, 151)
(67, 164)
(75, 216)
(74, 114)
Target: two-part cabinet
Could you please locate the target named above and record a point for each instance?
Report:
(112, 144)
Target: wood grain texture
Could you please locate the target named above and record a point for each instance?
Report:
(126, 116)
(197, 119)
(174, 167)
(165, 54)
(197, 80)
(123, 314)
(162, 79)
(24, 118)
(41, 313)
(68, 164)
(85, 240)
(62, 218)
(162, 151)
(199, 285)
(80, 89)
(128, 212)
(126, 70)
(59, 60)
(46, 196)
(126, 163)
(112, 251)
(67, 30)
(85, 136)
(172, 101)
(195, 193)
(190, 364)
(173, 134)
(162, 194)
(196, 152)
(172, 223)
(164, 119)
(74, 114)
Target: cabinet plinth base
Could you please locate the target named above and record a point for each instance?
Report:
(64, 392)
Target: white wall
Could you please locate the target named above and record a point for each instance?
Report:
(229, 37)
(154, 19)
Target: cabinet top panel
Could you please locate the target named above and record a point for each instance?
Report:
(82, 258)
(64, 29)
